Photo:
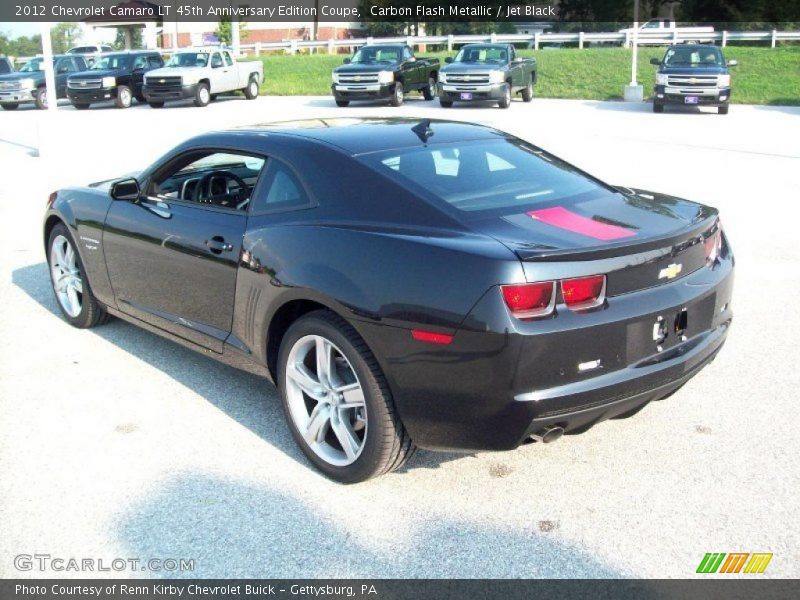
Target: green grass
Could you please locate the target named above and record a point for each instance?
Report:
(763, 75)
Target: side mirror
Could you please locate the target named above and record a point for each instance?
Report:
(125, 189)
(346, 61)
(732, 63)
(655, 61)
(448, 60)
(62, 70)
(411, 59)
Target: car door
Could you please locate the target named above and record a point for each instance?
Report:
(231, 72)
(173, 261)
(139, 68)
(411, 71)
(65, 66)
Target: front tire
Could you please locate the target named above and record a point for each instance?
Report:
(398, 95)
(343, 103)
(506, 100)
(251, 91)
(40, 98)
(445, 103)
(124, 97)
(722, 110)
(429, 93)
(81, 105)
(10, 106)
(71, 286)
(337, 401)
(156, 104)
(527, 93)
(202, 96)
(658, 107)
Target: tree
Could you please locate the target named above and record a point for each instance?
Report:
(224, 30)
(64, 36)
(136, 38)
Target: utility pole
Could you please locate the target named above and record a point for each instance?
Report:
(633, 91)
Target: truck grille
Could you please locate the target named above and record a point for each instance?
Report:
(164, 84)
(358, 78)
(470, 78)
(692, 81)
(9, 85)
(85, 84)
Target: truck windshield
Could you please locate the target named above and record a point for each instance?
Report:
(112, 61)
(486, 176)
(693, 57)
(483, 54)
(189, 59)
(37, 64)
(377, 54)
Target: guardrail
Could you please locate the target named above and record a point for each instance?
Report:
(535, 41)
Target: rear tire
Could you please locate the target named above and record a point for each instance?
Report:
(202, 96)
(398, 95)
(722, 110)
(343, 103)
(527, 93)
(40, 98)
(445, 103)
(251, 91)
(124, 97)
(506, 100)
(156, 104)
(429, 93)
(380, 442)
(10, 106)
(70, 284)
(658, 108)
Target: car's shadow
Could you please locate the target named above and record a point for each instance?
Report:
(249, 399)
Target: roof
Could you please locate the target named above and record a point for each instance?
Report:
(364, 135)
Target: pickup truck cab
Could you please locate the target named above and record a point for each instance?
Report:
(118, 76)
(693, 75)
(486, 72)
(90, 53)
(28, 84)
(6, 66)
(385, 71)
(201, 74)
(664, 26)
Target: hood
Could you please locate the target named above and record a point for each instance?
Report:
(699, 70)
(95, 74)
(465, 67)
(174, 72)
(16, 76)
(602, 224)
(365, 67)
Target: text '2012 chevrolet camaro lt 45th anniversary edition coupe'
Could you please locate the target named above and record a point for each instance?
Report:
(404, 283)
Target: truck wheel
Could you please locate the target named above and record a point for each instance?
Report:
(202, 96)
(81, 105)
(140, 99)
(722, 110)
(398, 95)
(429, 93)
(337, 401)
(506, 101)
(445, 103)
(527, 93)
(40, 98)
(251, 91)
(10, 106)
(342, 103)
(657, 107)
(156, 104)
(124, 97)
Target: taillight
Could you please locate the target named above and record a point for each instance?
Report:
(530, 300)
(713, 244)
(582, 293)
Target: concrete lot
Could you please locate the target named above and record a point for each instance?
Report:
(116, 443)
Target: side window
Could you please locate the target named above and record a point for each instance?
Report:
(406, 53)
(282, 190)
(220, 179)
(155, 62)
(65, 65)
(228, 59)
(216, 60)
(140, 62)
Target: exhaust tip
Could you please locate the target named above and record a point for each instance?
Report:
(548, 434)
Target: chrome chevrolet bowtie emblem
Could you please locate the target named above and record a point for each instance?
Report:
(161, 80)
(357, 78)
(670, 271)
(692, 80)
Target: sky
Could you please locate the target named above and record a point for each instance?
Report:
(15, 30)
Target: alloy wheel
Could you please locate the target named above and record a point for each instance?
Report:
(205, 96)
(125, 97)
(325, 400)
(66, 276)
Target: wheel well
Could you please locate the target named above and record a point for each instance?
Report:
(206, 81)
(435, 75)
(51, 222)
(280, 323)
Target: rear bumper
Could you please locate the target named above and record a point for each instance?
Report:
(89, 96)
(499, 382)
(156, 95)
(705, 97)
(374, 91)
(478, 93)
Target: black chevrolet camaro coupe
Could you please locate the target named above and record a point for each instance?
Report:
(404, 283)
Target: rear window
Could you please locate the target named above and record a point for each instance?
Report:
(5, 66)
(497, 176)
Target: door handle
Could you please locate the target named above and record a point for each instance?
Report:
(218, 245)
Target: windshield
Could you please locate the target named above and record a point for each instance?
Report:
(693, 57)
(377, 54)
(189, 59)
(505, 176)
(112, 61)
(483, 54)
(37, 64)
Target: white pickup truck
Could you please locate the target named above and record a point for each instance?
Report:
(201, 74)
(662, 26)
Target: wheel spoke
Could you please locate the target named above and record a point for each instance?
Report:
(69, 257)
(318, 423)
(346, 436)
(76, 284)
(74, 303)
(353, 396)
(324, 361)
(61, 260)
(304, 379)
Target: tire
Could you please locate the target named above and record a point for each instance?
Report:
(79, 308)
(10, 106)
(658, 108)
(506, 101)
(379, 442)
(722, 110)
(398, 95)
(81, 105)
(527, 93)
(343, 103)
(40, 98)
(202, 96)
(445, 103)
(251, 91)
(140, 99)
(156, 104)
(124, 97)
(429, 93)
